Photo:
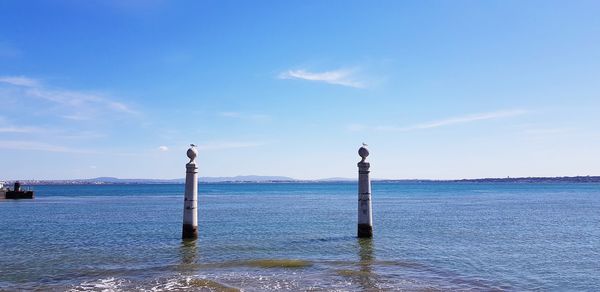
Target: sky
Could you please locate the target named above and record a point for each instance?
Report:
(437, 89)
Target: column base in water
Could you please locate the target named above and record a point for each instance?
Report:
(365, 230)
(189, 231)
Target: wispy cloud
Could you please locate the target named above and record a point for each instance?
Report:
(7, 127)
(344, 77)
(19, 81)
(444, 122)
(74, 99)
(13, 129)
(46, 109)
(39, 146)
(229, 145)
(78, 99)
(469, 119)
(163, 148)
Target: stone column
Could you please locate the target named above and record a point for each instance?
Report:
(190, 203)
(365, 218)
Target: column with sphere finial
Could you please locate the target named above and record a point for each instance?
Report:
(365, 218)
(190, 203)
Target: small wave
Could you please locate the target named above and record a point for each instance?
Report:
(189, 283)
(162, 284)
(105, 285)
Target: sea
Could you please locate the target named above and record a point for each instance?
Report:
(428, 236)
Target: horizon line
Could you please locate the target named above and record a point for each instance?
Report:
(290, 179)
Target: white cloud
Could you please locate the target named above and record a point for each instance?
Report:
(73, 99)
(344, 77)
(468, 119)
(19, 81)
(118, 106)
(52, 133)
(444, 122)
(12, 129)
(7, 127)
(39, 146)
(78, 99)
(163, 148)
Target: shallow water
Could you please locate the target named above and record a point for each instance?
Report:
(256, 237)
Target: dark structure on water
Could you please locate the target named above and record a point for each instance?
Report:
(17, 193)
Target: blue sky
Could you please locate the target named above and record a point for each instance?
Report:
(438, 89)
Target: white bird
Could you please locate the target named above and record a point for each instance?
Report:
(365, 144)
(192, 145)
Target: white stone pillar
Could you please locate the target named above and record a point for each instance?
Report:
(365, 218)
(190, 203)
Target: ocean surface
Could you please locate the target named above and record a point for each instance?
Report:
(260, 237)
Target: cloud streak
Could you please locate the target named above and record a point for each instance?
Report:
(468, 119)
(73, 99)
(444, 122)
(13, 129)
(19, 81)
(343, 77)
(77, 99)
(39, 146)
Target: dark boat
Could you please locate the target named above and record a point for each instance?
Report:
(17, 193)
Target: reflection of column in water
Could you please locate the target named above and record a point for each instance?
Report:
(188, 252)
(367, 279)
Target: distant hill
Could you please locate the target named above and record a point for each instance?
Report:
(239, 178)
(565, 179)
(285, 179)
(334, 179)
(569, 179)
(114, 180)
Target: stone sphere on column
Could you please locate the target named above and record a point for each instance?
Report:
(363, 152)
(192, 153)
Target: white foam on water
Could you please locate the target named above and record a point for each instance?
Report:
(178, 283)
(102, 285)
(170, 285)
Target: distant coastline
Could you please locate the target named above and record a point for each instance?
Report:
(283, 179)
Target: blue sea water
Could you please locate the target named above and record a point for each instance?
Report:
(256, 237)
